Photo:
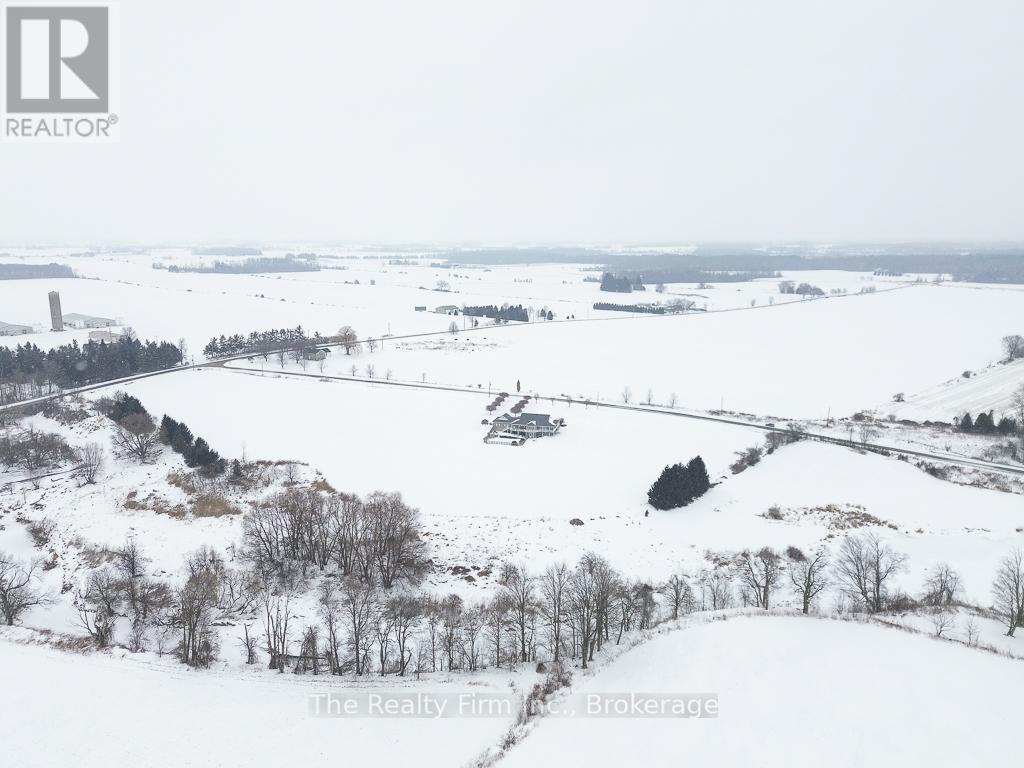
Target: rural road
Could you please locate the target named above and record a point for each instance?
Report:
(645, 409)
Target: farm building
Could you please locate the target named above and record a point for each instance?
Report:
(104, 335)
(11, 329)
(315, 353)
(447, 309)
(527, 424)
(76, 320)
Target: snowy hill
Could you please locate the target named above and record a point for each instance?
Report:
(793, 693)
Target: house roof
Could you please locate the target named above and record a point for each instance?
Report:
(526, 419)
(71, 317)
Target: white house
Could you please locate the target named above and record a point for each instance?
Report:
(527, 424)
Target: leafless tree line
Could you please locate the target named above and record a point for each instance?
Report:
(122, 592)
(33, 450)
(376, 539)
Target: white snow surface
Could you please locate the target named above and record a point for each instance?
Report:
(796, 693)
(101, 711)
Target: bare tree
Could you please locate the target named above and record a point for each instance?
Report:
(942, 587)
(248, 642)
(91, 455)
(1013, 345)
(370, 371)
(971, 632)
(869, 432)
(864, 567)
(406, 612)
(942, 620)
(94, 619)
(331, 615)
(627, 394)
(18, 588)
(453, 327)
(520, 591)
(1008, 590)
(679, 594)
(672, 400)
(716, 589)
(348, 339)
(391, 545)
(195, 612)
(582, 605)
(136, 436)
(384, 626)
(277, 616)
(758, 573)
(808, 575)
(371, 344)
(359, 607)
(553, 586)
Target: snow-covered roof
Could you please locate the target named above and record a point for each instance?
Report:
(526, 419)
(72, 317)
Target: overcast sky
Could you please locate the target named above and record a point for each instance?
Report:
(560, 120)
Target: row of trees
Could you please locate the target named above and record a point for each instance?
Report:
(986, 424)
(27, 371)
(376, 539)
(650, 309)
(505, 312)
(260, 264)
(564, 612)
(621, 283)
(33, 450)
(195, 450)
(258, 342)
(803, 289)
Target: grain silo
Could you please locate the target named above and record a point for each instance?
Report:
(56, 317)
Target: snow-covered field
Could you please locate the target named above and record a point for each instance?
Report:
(797, 693)
(102, 711)
(551, 500)
(989, 389)
(485, 503)
(802, 360)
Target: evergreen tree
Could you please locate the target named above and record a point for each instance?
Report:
(983, 424)
(182, 440)
(679, 484)
(125, 405)
(168, 427)
(700, 483)
(666, 492)
(967, 423)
